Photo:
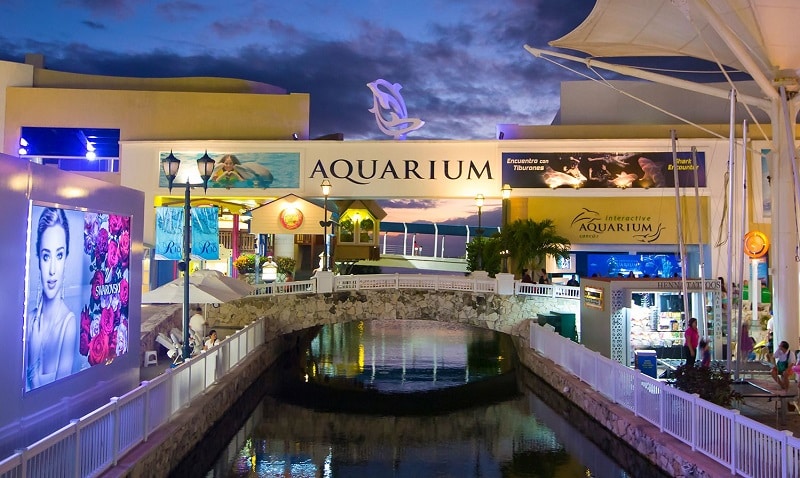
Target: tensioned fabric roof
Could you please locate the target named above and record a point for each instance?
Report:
(765, 29)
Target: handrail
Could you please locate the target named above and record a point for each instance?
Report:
(96, 442)
(743, 445)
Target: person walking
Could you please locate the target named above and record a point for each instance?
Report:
(691, 341)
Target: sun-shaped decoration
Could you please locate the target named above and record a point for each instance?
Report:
(291, 218)
(756, 244)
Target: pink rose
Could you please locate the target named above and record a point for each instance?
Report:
(97, 281)
(107, 321)
(115, 224)
(125, 247)
(112, 258)
(123, 291)
(98, 348)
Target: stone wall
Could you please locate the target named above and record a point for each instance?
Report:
(288, 313)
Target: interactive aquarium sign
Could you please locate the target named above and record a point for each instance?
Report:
(76, 294)
(601, 170)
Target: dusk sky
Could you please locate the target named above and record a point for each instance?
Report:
(461, 63)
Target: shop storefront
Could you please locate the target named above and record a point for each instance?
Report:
(620, 316)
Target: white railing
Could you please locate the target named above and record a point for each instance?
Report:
(94, 443)
(281, 288)
(414, 281)
(745, 446)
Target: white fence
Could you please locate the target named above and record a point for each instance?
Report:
(94, 443)
(745, 446)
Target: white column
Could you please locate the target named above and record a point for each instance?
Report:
(783, 253)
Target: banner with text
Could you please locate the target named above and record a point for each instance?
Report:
(608, 220)
(204, 233)
(601, 170)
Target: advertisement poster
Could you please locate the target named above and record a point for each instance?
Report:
(238, 170)
(601, 170)
(76, 313)
(169, 233)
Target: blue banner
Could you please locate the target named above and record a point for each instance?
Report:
(204, 233)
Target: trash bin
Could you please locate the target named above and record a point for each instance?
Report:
(567, 327)
(645, 361)
(547, 319)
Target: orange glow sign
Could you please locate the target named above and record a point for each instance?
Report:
(291, 218)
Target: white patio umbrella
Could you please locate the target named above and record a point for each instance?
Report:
(205, 287)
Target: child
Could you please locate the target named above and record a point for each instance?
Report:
(705, 353)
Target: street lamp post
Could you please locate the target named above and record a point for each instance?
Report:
(479, 203)
(205, 166)
(506, 193)
(326, 190)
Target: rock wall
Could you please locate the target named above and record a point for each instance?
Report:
(288, 313)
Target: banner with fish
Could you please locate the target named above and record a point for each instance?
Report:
(602, 170)
(238, 170)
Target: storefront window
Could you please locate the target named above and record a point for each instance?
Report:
(346, 230)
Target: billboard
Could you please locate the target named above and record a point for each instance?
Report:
(76, 293)
(601, 170)
(259, 170)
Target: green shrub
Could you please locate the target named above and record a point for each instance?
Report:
(711, 383)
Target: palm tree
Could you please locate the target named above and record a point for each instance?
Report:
(529, 242)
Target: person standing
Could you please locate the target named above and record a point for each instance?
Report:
(691, 341)
(770, 337)
(52, 335)
(197, 324)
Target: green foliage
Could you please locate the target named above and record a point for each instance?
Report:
(488, 248)
(286, 265)
(529, 242)
(711, 383)
(245, 263)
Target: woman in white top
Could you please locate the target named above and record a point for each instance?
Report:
(212, 340)
(52, 335)
(784, 361)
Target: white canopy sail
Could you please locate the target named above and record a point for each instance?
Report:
(758, 37)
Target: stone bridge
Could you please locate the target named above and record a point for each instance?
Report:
(294, 312)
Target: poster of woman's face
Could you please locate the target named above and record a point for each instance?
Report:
(76, 313)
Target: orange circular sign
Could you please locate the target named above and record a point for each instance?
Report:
(291, 218)
(756, 244)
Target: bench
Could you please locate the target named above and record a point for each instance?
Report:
(782, 398)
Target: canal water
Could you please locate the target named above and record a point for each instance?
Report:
(406, 399)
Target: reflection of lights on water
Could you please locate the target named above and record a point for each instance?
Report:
(305, 377)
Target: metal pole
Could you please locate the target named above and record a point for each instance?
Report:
(187, 242)
(325, 236)
(480, 241)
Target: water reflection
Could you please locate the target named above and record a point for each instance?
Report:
(407, 355)
(517, 436)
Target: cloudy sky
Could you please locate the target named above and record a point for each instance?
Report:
(461, 62)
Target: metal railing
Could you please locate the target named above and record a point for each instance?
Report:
(94, 443)
(743, 445)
